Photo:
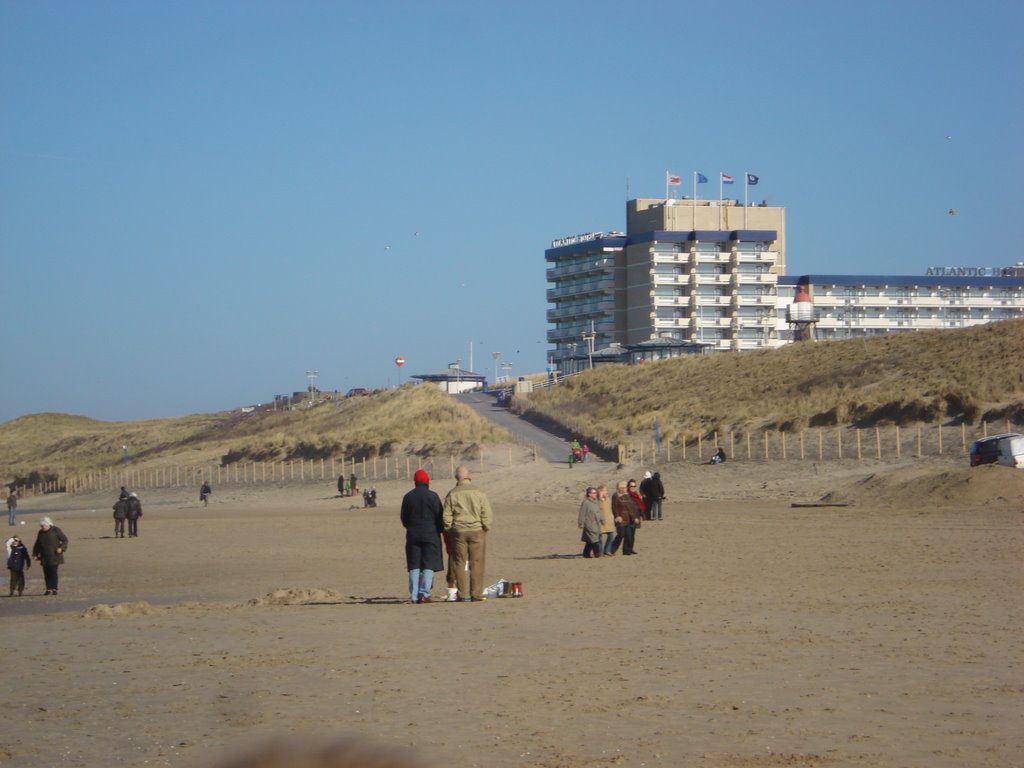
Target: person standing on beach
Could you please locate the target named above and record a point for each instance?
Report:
(627, 517)
(467, 515)
(12, 506)
(134, 513)
(120, 515)
(353, 484)
(423, 519)
(205, 491)
(645, 494)
(49, 549)
(18, 561)
(607, 520)
(657, 496)
(341, 485)
(589, 522)
(639, 512)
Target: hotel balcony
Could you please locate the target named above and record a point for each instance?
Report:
(754, 257)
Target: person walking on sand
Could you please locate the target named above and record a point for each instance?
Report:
(589, 522)
(607, 520)
(657, 496)
(18, 561)
(120, 515)
(341, 485)
(12, 506)
(468, 516)
(423, 519)
(205, 491)
(627, 517)
(353, 484)
(134, 513)
(49, 549)
(639, 512)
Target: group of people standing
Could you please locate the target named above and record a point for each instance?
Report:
(608, 523)
(461, 522)
(49, 549)
(127, 507)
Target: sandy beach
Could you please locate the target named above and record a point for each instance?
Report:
(748, 632)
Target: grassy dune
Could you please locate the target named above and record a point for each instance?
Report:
(952, 376)
(962, 375)
(418, 419)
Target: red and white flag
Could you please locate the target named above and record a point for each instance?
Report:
(674, 181)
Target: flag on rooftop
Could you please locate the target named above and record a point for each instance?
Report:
(726, 178)
(701, 178)
(752, 179)
(675, 181)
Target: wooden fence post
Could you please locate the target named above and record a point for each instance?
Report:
(857, 432)
(878, 442)
(700, 448)
(821, 444)
(897, 441)
(919, 441)
(765, 433)
(801, 445)
(940, 438)
(783, 436)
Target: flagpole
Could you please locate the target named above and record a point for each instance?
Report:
(746, 186)
(720, 193)
(693, 207)
(666, 185)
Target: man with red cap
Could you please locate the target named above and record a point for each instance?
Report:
(422, 517)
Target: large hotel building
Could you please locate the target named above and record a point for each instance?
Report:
(699, 275)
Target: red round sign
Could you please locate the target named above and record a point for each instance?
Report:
(399, 361)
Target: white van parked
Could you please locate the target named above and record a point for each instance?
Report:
(1007, 450)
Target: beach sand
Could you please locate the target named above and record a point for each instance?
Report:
(747, 632)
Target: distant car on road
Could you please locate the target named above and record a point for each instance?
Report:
(357, 392)
(1007, 450)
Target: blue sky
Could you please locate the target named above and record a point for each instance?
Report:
(200, 201)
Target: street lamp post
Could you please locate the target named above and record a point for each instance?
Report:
(311, 375)
(495, 355)
(589, 338)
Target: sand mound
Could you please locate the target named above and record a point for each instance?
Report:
(292, 596)
(104, 611)
(988, 485)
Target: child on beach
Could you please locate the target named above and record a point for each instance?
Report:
(17, 561)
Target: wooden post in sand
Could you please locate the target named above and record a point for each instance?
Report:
(839, 441)
(364, 467)
(801, 445)
(963, 436)
(897, 441)
(821, 444)
(765, 433)
(857, 433)
(919, 441)
(700, 448)
(878, 443)
(940, 438)
(783, 436)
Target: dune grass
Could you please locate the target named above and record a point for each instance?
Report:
(420, 419)
(953, 376)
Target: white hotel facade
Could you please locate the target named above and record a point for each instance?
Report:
(701, 275)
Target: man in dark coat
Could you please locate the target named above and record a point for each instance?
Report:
(120, 515)
(134, 513)
(49, 549)
(423, 521)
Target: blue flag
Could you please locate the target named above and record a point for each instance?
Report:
(701, 178)
(752, 179)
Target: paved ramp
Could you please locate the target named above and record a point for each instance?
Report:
(549, 447)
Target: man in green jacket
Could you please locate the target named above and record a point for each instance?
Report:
(467, 517)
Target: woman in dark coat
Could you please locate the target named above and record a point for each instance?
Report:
(49, 549)
(423, 519)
